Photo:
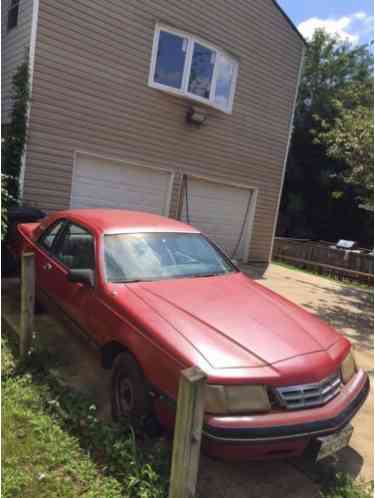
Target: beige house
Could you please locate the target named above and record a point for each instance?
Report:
(177, 107)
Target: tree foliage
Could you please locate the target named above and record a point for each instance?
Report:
(326, 179)
(6, 200)
(351, 139)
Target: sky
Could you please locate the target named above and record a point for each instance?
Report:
(352, 20)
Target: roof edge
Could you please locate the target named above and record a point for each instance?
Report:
(290, 22)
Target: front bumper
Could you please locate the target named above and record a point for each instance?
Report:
(283, 433)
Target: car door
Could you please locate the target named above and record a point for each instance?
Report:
(75, 251)
(45, 263)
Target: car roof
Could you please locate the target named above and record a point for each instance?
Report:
(124, 221)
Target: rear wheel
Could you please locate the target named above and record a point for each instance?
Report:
(130, 398)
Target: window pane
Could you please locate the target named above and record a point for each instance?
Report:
(224, 81)
(202, 68)
(13, 14)
(77, 249)
(170, 60)
(48, 237)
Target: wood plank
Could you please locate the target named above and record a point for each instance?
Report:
(187, 433)
(27, 302)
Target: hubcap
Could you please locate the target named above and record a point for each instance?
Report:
(125, 396)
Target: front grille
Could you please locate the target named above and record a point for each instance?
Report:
(308, 395)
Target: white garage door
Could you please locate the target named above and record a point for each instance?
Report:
(112, 184)
(220, 211)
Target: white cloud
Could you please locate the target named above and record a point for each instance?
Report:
(361, 16)
(348, 28)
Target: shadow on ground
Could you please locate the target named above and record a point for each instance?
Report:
(349, 310)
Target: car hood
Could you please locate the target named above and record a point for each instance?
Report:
(234, 322)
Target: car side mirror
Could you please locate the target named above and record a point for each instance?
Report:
(82, 276)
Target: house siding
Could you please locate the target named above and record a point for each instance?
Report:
(14, 50)
(90, 93)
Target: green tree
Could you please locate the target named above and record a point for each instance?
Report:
(318, 200)
(351, 140)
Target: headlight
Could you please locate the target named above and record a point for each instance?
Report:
(348, 368)
(236, 399)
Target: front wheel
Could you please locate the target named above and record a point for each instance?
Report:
(129, 397)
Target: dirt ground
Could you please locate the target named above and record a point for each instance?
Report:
(347, 308)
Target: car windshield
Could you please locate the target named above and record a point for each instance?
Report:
(156, 256)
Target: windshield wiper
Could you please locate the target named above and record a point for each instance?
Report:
(127, 281)
(202, 275)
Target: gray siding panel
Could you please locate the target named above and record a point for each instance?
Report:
(90, 94)
(14, 49)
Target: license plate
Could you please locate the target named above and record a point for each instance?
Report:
(334, 442)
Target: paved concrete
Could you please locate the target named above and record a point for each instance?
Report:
(350, 310)
(79, 367)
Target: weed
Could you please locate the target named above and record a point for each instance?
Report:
(345, 486)
(56, 447)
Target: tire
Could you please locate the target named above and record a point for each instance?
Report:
(130, 399)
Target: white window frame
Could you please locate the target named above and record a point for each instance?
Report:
(183, 91)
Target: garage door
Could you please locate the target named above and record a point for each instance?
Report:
(113, 184)
(221, 212)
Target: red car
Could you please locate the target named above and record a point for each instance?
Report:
(156, 296)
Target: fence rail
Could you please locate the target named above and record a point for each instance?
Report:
(321, 257)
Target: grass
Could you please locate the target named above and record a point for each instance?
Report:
(54, 446)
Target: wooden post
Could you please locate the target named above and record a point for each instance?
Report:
(27, 302)
(187, 433)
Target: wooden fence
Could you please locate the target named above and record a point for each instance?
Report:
(321, 257)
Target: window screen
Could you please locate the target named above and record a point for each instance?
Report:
(202, 68)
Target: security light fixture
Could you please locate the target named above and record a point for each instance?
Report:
(196, 115)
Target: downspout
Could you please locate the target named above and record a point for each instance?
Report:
(300, 71)
(33, 35)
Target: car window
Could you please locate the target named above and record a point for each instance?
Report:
(155, 256)
(48, 237)
(76, 250)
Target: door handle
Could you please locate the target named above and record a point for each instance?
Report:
(47, 266)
